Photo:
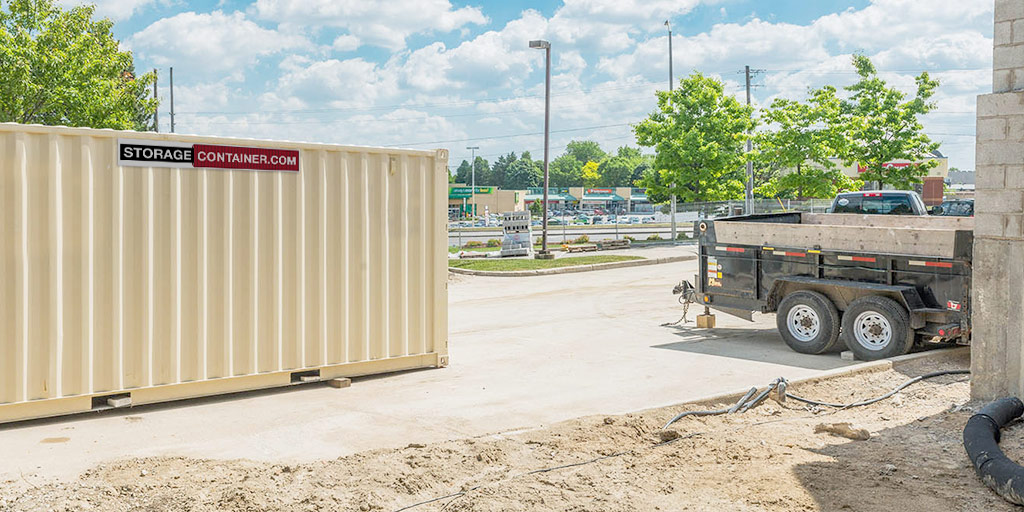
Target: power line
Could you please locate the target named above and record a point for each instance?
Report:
(509, 136)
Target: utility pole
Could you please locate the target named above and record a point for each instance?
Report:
(156, 110)
(172, 100)
(472, 166)
(544, 254)
(671, 86)
(750, 165)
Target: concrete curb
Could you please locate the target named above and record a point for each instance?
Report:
(573, 269)
(939, 354)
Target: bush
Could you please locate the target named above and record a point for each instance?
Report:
(583, 239)
(494, 242)
(682, 236)
(654, 238)
(473, 244)
(631, 239)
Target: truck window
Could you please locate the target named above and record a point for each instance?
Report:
(875, 205)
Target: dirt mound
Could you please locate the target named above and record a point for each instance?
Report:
(768, 459)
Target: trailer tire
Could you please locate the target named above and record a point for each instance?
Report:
(808, 322)
(876, 327)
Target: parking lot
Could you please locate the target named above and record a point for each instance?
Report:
(525, 352)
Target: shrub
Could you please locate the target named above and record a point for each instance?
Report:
(494, 242)
(654, 238)
(472, 244)
(631, 239)
(583, 239)
(682, 236)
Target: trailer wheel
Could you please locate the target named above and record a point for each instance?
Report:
(877, 327)
(808, 322)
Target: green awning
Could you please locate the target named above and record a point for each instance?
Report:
(551, 197)
(603, 197)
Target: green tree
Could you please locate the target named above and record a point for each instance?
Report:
(643, 165)
(536, 208)
(882, 125)
(803, 137)
(464, 174)
(565, 171)
(61, 67)
(615, 171)
(591, 176)
(698, 133)
(522, 174)
(500, 169)
(585, 151)
(628, 152)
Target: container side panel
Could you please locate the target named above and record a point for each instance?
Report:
(41, 279)
(105, 256)
(164, 277)
(397, 241)
(378, 264)
(135, 277)
(358, 240)
(241, 265)
(190, 277)
(312, 176)
(217, 273)
(263, 274)
(11, 268)
(419, 192)
(334, 293)
(291, 300)
(74, 309)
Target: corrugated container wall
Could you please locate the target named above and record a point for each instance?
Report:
(166, 283)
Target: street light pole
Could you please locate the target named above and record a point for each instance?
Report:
(671, 85)
(544, 254)
(472, 165)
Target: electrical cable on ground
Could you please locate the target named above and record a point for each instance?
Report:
(780, 384)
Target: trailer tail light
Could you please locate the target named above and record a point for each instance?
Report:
(942, 332)
(952, 304)
(939, 264)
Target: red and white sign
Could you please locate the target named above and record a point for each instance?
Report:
(154, 153)
(235, 157)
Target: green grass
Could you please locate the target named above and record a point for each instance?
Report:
(453, 249)
(532, 264)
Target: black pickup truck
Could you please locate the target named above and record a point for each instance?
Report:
(879, 283)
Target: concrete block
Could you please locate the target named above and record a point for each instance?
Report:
(988, 225)
(847, 355)
(1008, 10)
(990, 176)
(1002, 80)
(1000, 104)
(1012, 226)
(992, 129)
(994, 342)
(1013, 177)
(1018, 31)
(1003, 33)
(1008, 57)
(1000, 152)
(120, 401)
(999, 201)
(340, 382)
(706, 321)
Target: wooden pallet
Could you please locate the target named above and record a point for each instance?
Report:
(581, 248)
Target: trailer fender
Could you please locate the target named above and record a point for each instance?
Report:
(842, 293)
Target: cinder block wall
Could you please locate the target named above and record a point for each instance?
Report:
(997, 358)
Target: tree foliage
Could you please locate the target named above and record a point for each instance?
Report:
(565, 171)
(591, 176)
(61, 67)
(464, 173)
(585, 151)
(882, 125)
(522, 174)
(698, 133)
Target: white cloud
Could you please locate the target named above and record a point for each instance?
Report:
(214, 43)
(334, 82)
(386, 24)
(345, 43)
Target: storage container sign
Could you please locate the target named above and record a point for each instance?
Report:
(150, 153)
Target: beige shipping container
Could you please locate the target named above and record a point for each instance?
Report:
(163, 283)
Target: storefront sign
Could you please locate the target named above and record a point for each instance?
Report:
(149, 153)
(463, 192)
(599, 191)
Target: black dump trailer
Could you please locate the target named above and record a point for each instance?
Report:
(879, 283)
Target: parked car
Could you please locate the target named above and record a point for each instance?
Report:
(879, 202)
(955, 208)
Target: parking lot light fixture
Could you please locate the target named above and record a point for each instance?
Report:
(546, 46)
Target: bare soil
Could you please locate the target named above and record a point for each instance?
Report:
(768, 459)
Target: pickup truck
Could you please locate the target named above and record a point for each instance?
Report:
(877, 283)
(885, 202)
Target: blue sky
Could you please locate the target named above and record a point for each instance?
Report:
(441, 73)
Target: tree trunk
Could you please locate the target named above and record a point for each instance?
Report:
(800, 189)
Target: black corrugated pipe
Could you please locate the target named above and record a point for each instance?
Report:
(981, 440)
